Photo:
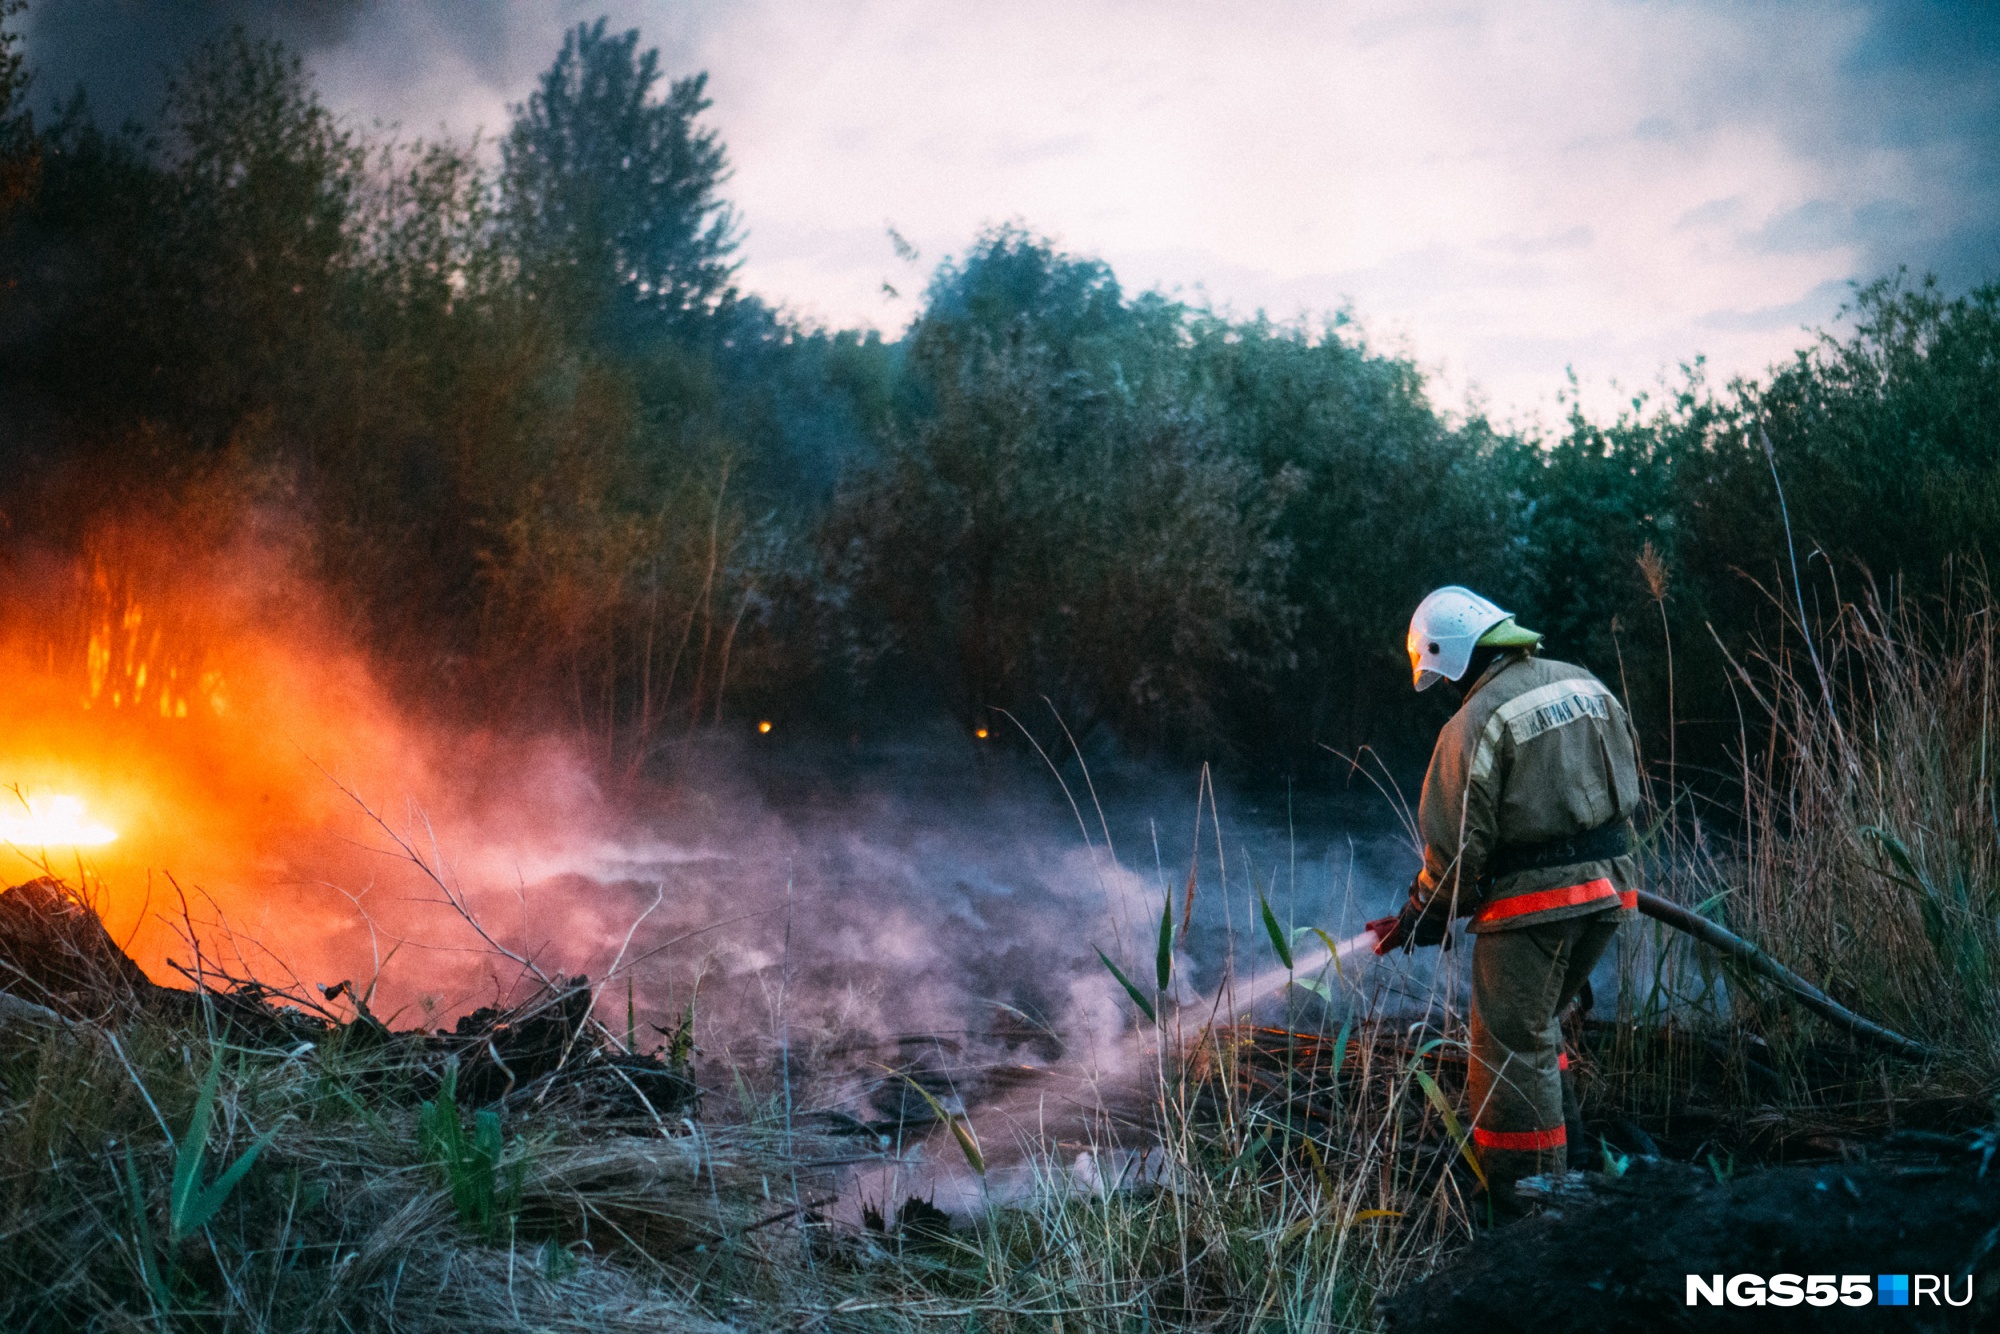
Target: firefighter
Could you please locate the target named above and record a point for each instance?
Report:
(1526, 820)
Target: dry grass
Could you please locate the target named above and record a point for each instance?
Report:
(1865, 854)
(1293, 1183)
(1290, 1177)
(1293, 1177)
(1872, 855)
(341, 1223)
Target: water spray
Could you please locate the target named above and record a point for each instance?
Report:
(1305, 965)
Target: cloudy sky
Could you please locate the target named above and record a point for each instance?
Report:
(1503, 190)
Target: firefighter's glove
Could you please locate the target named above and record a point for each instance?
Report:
(1429, 925)
(1419, 923)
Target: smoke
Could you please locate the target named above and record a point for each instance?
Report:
(938, 912)
(827, 911)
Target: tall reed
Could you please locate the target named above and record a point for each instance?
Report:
(1871, 848)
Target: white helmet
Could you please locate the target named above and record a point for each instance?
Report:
(1444, 630)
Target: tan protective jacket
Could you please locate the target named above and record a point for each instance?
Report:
(1540, 751)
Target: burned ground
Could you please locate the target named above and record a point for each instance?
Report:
(1617, 1258)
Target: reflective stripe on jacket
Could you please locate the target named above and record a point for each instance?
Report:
(1540, 751)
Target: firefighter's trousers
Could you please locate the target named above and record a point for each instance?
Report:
(1521, 979)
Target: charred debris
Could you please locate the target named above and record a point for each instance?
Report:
(59, 966)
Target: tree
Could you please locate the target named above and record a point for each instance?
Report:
(262, 183)
(1056, 519)
(608, 192)
(1387, 501)
(181, 286)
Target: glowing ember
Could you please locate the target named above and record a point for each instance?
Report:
(51, 822)
(980, 733)
(763, 727)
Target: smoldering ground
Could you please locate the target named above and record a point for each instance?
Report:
(843, 923)
(932, 886)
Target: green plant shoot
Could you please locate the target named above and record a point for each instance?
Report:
(1275, 932)
(1451, 1124)
(470, 1167)
(961, 1129)
(192, 1203)
(1138, 996)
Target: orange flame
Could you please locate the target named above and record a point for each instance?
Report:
(188, 714)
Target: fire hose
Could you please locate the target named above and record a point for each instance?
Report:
(1717, 937)
(1724, 941)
